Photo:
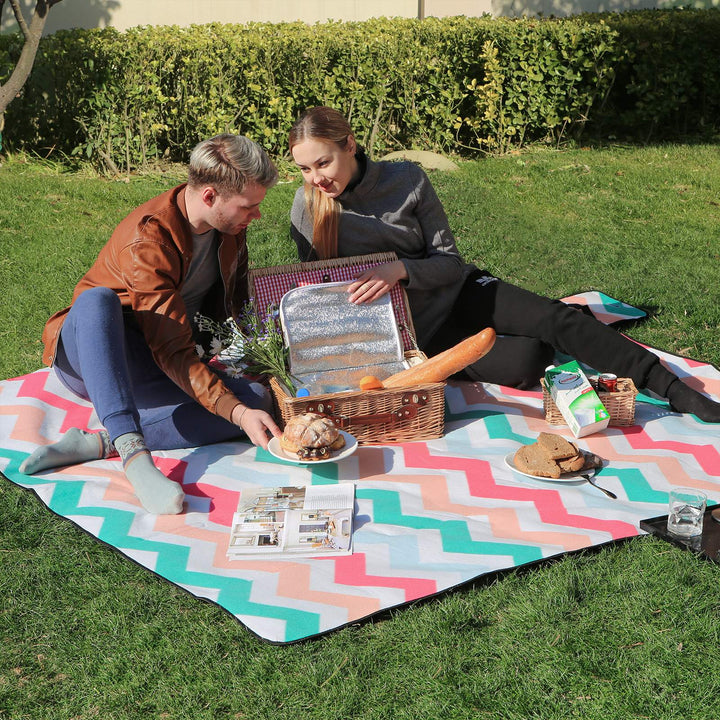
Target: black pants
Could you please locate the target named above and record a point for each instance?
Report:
(531, 328)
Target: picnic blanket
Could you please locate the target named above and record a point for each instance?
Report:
(429, 516)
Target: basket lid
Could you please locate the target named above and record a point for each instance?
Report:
(268, 285)
(332, 342)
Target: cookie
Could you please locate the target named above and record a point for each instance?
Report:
(572, 464)
(552, 456)
(556, 446)
(532, 460)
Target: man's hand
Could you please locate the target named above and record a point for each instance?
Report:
(376, 282)
(256, 424)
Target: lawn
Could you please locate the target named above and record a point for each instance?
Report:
(625, 631)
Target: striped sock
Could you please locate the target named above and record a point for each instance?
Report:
(74, 447)
(157, 494)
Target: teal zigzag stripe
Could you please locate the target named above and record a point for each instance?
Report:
(638, 489)
(496, 422)
(454, 533)
(620, 308)
(172, 559)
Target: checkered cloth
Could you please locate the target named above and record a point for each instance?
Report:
(269, 289)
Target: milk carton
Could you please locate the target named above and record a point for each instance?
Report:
(575, 399)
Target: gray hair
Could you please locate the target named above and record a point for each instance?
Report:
(229, 162)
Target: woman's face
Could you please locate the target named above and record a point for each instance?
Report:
(326, 165)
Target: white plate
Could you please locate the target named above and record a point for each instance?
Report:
(276, 450)
(565, 477)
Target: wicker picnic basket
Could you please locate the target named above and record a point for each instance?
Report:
(620, 404)
(376, 417)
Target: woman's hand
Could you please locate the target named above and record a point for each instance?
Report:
(376, 282)
(255, 424)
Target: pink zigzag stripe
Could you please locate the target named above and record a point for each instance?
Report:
(482, 484)
(514, 392)
(707, 456)
(475, 393)
(694, 363)
(297, 583)
(669, 466)
(172, 468)
(223, 503)
(28, 422)
(77, 415)
(350, 570)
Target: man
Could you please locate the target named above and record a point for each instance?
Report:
(128, 344)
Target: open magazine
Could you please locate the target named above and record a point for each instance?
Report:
(302, 521)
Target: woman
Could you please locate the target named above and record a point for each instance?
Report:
(350, 205)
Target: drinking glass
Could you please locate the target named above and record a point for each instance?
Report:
(687, 507)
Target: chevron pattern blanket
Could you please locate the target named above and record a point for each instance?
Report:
(429, 516)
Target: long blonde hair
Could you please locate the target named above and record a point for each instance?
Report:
(321, 123)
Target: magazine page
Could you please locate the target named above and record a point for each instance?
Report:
(296, 521)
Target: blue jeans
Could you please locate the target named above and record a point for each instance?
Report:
(102, 357)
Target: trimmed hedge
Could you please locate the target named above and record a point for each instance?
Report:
(668, 83)
(454, 85)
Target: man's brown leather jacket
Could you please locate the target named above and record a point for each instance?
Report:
(145, 262)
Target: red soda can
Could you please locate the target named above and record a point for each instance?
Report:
(607, 382)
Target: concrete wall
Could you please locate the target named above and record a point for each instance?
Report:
(123, 14)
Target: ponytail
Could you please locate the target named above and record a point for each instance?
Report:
(324, 212)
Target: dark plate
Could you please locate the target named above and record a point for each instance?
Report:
(706, 545)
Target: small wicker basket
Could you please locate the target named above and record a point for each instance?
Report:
(620, 404)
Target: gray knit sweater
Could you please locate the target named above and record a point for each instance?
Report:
(395, 208)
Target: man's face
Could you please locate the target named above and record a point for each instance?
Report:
(232, 213)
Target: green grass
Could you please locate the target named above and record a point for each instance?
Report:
(627, 631)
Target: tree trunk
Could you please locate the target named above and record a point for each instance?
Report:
(32, 33)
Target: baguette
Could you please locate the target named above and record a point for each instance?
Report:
(444, 364)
